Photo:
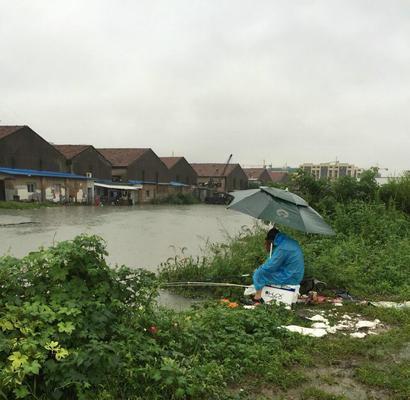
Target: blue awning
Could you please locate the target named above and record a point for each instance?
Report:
(177, 184)
(46, 174)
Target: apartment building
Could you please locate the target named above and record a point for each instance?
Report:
(332, 170)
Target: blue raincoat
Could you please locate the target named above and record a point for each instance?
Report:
(284, 267)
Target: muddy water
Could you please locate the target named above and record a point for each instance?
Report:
(136, 236)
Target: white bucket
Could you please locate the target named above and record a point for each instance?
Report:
(286, 294)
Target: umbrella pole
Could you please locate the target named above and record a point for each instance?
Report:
(271, 243)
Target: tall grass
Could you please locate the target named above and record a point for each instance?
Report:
(369, 256)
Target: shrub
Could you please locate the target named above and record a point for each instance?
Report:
(397, 192)
(65, 320)
(177, 199)
(72, 328)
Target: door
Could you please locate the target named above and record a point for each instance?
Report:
(2, 191)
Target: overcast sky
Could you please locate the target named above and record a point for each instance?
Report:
(282, 81)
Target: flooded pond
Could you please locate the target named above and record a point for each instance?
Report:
(139, 236)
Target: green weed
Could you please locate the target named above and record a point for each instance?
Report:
(19, 205)
(395, 376)
(177, 199)
(369, 256)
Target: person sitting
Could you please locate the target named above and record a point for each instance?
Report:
(284, 266)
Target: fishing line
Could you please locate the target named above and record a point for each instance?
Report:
(215, 284)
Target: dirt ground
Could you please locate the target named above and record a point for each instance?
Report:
(339, 376)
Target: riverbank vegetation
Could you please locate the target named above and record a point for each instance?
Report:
(177, 199)
(369, 256)
(21, 205)
(72, 327)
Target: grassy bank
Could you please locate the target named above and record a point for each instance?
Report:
(369, 256)
(19, 205)
(71, 327)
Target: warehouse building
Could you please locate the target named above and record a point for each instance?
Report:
(221, 177)
(22, 148)
(85, 160)
(180, 170)
(139, 167)
(34, 185)
(258, 176)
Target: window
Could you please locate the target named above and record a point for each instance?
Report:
(147, 193)
(31, 187)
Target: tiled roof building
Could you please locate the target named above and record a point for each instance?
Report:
(83, 159)
(136, 164)
(258, 175)
(279, 176)
(180, 170)
(21, 147)
(223, 177)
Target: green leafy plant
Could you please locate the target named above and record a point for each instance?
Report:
(64, 317)
(369, 256)
(177, 199)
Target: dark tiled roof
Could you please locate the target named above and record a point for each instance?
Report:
(70, 150)
(170, 161)
(6, 130)
(213, 169)
(122, 157)
(254, 173)
(277, 176)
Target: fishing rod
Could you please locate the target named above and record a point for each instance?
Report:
(198, 284)
(207, 282)
(213, 278)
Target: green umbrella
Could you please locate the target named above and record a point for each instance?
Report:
(281, 207)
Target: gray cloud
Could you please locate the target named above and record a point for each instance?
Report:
(281, 81)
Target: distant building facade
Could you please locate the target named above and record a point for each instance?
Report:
(33, 185)
(180, 170)
(139, 166)
(257, 176)
(22, 148)
(85, 160)
(331, 170)
(221, 177)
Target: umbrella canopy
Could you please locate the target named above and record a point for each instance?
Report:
(282, 207)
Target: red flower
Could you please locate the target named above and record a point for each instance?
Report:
(153, 330)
